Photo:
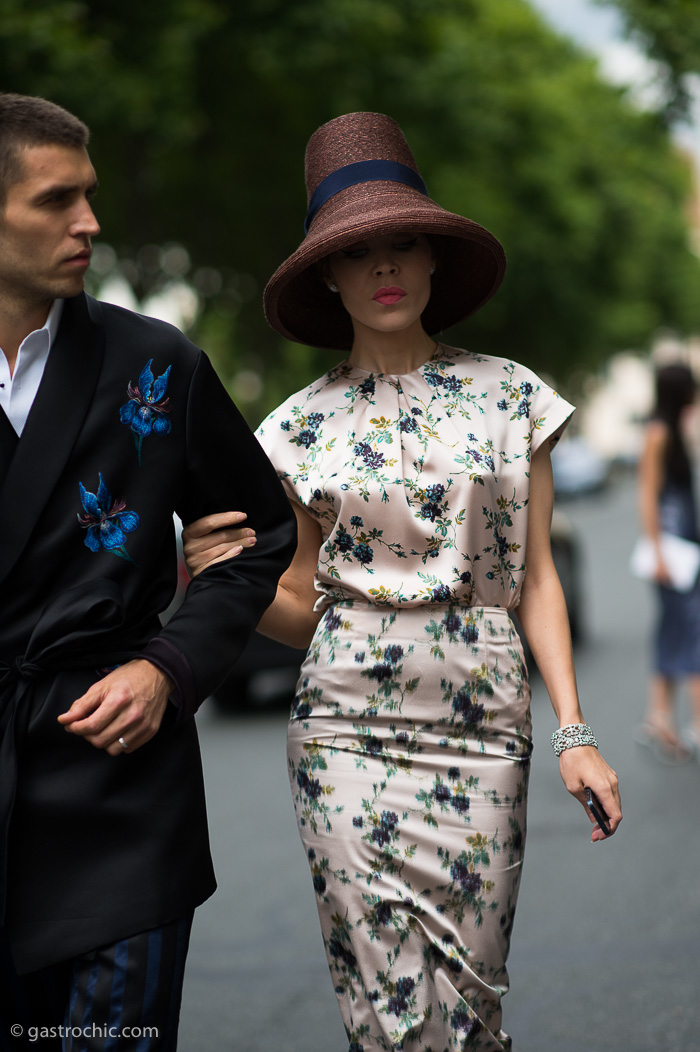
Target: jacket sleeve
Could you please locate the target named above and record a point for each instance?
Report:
(226, 469)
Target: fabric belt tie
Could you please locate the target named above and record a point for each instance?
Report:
(82, 628)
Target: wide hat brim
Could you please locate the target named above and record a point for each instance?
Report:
(470, 266)
(470, 261)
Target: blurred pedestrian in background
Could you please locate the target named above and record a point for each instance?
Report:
(667, 505)
(419, 474)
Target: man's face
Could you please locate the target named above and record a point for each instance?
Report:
(46, 227)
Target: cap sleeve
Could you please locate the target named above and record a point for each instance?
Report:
(283, 443)
(550, 413)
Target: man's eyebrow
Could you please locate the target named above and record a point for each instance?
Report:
(56, 189)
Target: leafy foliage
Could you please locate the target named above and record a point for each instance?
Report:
(200, 110)
(669, 30)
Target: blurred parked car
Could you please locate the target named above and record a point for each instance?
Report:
(578, 468)
(267, 671)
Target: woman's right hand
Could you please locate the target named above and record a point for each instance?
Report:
(662, 575)
(214, 539)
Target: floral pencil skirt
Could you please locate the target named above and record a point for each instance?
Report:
(409, 750)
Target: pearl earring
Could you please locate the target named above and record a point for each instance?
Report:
(432, 269)
(332, 287)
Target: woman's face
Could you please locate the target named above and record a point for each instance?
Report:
(384, 282)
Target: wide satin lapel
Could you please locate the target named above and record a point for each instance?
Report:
(53, 425)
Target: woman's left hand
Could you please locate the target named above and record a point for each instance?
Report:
(583, 766)
(214, 539)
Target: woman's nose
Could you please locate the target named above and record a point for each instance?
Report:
(385, 264)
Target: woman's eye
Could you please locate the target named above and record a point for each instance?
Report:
(406, 246)
(354, 253)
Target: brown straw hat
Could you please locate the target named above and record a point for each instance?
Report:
(361, 182)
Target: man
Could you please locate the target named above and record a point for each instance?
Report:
(109, 422)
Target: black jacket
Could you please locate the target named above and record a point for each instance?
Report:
(130, 424)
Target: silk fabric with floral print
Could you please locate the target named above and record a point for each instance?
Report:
(419, 481)
(410, 737)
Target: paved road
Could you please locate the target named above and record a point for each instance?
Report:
(606, 944)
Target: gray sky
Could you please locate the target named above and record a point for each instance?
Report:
(589, 24)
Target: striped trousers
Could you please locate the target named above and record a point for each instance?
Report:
(117, 998)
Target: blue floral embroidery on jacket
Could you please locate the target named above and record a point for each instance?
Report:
(107, 521)
(146, 410)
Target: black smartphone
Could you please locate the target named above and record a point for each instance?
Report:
(594, 806)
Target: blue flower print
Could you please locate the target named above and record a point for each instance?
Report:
(107, 521)
(463, 1018)
(398, 1004)
(430, 511)
(306, 438)
(344, 541)
(380, 672)
(372, 459)
(470, 633)
(146, 410)
(436, 492)
(363, 553)
(471, 882)
(465, 708)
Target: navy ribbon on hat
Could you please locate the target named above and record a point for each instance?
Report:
(361, 172)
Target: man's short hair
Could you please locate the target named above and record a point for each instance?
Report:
(26, 120)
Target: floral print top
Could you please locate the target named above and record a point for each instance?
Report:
(419, 481)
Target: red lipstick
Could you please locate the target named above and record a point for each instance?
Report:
(388, 296)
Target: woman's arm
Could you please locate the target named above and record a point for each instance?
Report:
(542, 613)
(650, 483)
(290, 618)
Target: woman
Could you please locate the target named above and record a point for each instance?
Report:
(666, 503)
(418, 473)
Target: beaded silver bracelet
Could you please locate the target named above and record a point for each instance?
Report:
(572, 735)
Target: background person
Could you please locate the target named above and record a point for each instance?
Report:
(421, 481)
(667, 504)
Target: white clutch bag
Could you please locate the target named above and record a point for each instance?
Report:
(682, 559)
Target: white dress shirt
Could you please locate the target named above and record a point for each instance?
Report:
(17, 392)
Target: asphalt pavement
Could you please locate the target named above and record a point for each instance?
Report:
(607, 937)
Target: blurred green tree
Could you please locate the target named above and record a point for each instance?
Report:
(200, 111)
(669, 31)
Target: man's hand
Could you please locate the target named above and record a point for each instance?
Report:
(128, 704)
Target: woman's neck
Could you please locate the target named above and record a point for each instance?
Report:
(391, 352)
